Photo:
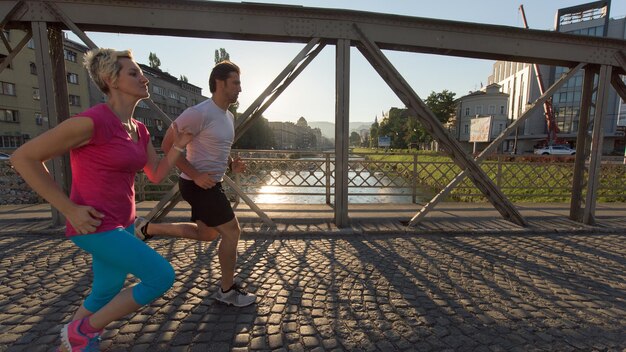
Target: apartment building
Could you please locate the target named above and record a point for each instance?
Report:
(519, 81)
(171, 95)
(20, 110)
(300, 135)
(481, 116)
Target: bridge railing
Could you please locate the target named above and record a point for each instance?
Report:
(288, 176)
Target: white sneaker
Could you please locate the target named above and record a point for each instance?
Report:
(235, 296)
(140, 225)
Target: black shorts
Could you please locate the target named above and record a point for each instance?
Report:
(211, 206)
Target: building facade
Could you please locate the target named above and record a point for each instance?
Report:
(20, 109)
(486, 108)
(300, 135)
(171, 95)
(519, 80)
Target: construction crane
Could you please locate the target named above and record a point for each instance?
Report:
(552, 127)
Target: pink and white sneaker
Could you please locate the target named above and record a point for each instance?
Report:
(75, 340)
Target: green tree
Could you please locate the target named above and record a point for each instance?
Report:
(184, 78)
(220, 55)
(258, 136)
(394, 125)
(355, 139)
(374, 134)
(415, 133)
(441, 104)
(153, 61)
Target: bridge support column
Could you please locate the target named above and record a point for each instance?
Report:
(342, 103)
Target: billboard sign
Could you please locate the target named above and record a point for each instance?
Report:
(384, 141)
(480, 129)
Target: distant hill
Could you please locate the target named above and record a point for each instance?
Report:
(328, 128)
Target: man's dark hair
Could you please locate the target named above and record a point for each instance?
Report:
(221, 72)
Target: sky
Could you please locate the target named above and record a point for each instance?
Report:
(312, 94)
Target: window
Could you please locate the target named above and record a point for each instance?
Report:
(174, 110)
(467, 111)
(173, 95)
(69, 55)
(72, 78)
(161, 107)
(33, 69)
(4, 57)
(11, 141)
(466, 129)
(143, 105)
(7, 88)
(158, 90)
(492, 109)
(36, 93)
(479, 109)
(500, 128)
(502, 111)
(38, 119)
(183, 99)
(74, 100)
(7, 115)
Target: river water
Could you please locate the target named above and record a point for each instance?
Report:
(276, 194)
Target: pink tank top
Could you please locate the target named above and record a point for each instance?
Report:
(103, 171)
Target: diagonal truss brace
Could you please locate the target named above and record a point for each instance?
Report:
(278, 85)
(406, 94)
(13, 53)
(173, 196)
(19, 6)
(291, 71)
(619, 85)
(494, 144)
(616, 80)
(621, 58)
(79, 33)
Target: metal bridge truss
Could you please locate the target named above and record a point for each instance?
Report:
(317, 27)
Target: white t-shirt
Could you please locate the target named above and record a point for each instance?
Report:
(214, 132)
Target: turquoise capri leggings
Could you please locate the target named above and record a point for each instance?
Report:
(117, 253)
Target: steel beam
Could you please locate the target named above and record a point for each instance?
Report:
(53, 92)
(71, 25)
(618, 84)
(266, 219)
(8, 11)
(280, 23)
(620, 57)
(13, 53)
(602, 98)
(342, 114)
(493, 145)
(278, 85)
(582, 140)
(432, 125)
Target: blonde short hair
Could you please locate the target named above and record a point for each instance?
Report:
(103, 64)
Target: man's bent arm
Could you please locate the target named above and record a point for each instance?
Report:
(183, 164)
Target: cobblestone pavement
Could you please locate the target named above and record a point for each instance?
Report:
(498, 292)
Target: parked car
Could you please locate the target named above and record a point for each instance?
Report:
(4, 156)
(555, 150)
